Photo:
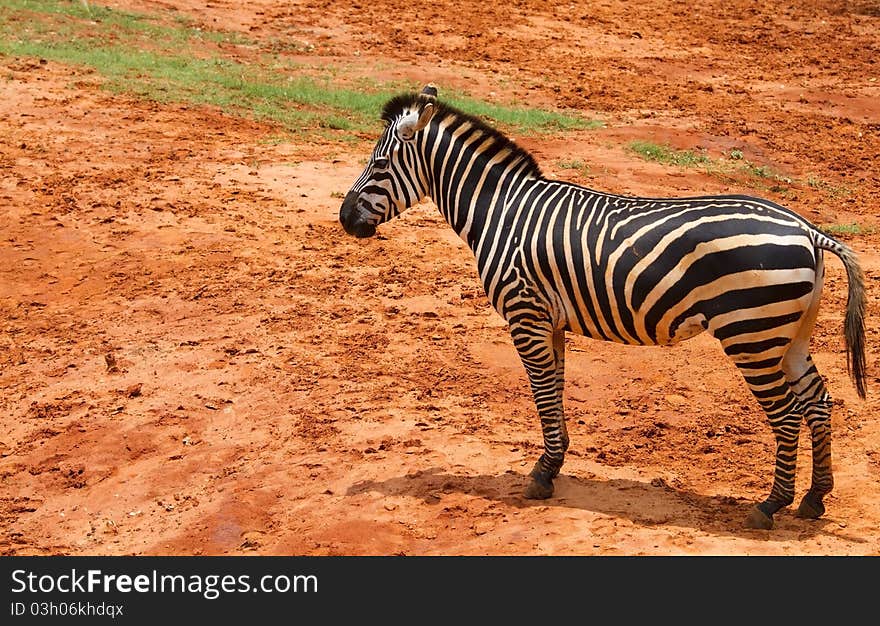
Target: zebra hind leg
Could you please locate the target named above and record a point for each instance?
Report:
(807, 383)
(767, 381)
(818, 416)
(542, 353)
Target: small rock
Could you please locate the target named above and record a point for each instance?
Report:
(676, 400)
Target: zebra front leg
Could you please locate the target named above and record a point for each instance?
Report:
(542, 351)
(559, 352)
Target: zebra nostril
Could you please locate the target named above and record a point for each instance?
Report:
(347, 209)
(363, 230)
(352, 216)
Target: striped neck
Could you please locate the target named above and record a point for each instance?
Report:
(470, 169)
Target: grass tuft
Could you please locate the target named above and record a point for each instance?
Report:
(852, 228)
(762, 176)
(835, 191)
(667, 155)
(583, 169)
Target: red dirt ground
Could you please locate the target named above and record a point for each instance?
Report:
(197, 360)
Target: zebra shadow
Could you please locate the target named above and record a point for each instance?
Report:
(644, 503)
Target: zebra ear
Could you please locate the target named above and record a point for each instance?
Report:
(413, 122)
(425, 116)
(430, 91)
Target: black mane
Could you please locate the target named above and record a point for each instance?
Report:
(398, 104)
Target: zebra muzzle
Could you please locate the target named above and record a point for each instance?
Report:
(352, 217)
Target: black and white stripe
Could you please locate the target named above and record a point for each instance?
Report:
(555, 257)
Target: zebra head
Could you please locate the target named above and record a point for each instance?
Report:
(392, 181)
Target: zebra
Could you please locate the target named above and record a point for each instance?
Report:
(557, 257)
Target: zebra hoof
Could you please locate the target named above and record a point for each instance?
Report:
(759, 520)
(540, 487)
(538, 490)
(811, 506)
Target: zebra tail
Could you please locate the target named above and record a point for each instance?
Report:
(854, 323)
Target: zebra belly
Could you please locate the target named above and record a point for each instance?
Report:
(612, 328)
(690, 327)
(689, 300)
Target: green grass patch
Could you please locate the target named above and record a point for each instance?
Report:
(733, 166)
(116, 22)
(667, 155)
(522, 119)
(575, 164)
(852, 228)
(170, 60)
(763, 171)
(835, 191)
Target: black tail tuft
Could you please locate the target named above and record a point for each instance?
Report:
(854, 323)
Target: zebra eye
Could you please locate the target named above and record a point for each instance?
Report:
(381, 164)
